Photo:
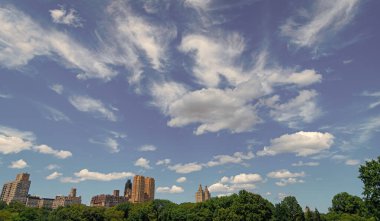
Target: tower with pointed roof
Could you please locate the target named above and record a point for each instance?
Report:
(201, 196)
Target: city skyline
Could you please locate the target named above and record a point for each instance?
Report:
(275, 97)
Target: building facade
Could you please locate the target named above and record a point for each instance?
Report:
(142, 189)
(149, 189)
(128, 189)
(201, 196)
(16, 190)
(71, 199)
(104, 200)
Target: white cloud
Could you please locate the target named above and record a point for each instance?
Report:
(14, 141)
(68, 17)
(352, 162)
(44, 149)
(186, 168)
(284, 174)
(215, 57)
(198, 4)
(245, 178)
(375, 94)
(85, 174)
(173, 189)
(181, 180)
(301, 163)
(235, 183)
(88, 104)
(214, 110)
(142, 162)
(237, 157)
(23, 39)
(52, 167)
(53, 176)
(347, 61)
(163, 162)
(326, 18)
(57, 88)
(288, 181)
(113, 145)
(281, 196)
(230, 188)
(145, 148)
(300, 143)
(19, 164)
(228, 96)
(302, 108)
(132, 32)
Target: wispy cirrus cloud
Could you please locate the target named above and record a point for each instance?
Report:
(91, 105)
(310, 27)
(24, 39)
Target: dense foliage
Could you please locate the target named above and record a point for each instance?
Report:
(370, 176)
(245, 206)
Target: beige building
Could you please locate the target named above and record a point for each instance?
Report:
(16, 190)
(142, 189)
(201, 196)
(71, 199)
(104, 200)
(45, 203)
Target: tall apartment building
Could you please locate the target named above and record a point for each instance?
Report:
(71, 199)
(104, 200)
(16, 190)
(142, 189)
(201, 196)
(128, 189)
(149, 189)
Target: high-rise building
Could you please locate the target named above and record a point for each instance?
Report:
(142, 189)
(201, 196)
(207, 194)
(138, 187)
(128, 189)
(16, 190)
(149, 189)
(71, 199)
(104, 200)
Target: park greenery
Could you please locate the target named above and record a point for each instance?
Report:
(242, 206)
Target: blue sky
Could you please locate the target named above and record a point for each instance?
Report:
(276, 97)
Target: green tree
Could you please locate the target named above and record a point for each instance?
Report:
(346, 203)
(289, 210)
(252, 206)
(316, 215)
(3, 205)
(308, 214)
(125, 208)
(370, 176)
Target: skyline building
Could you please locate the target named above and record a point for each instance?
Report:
(202, 196)
(16, 190)
(71, 199)
(106, 200)
(128, 189)
(142, 189)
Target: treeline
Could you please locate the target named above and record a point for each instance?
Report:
(243, 206)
